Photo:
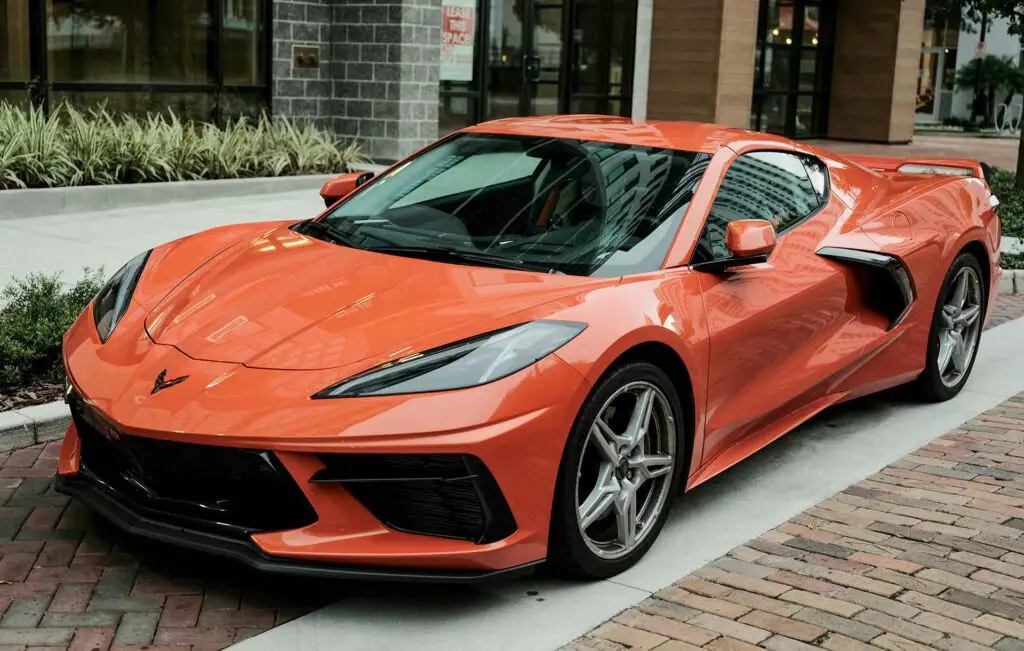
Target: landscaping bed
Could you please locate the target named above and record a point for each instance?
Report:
(72, 147)
(35, 312)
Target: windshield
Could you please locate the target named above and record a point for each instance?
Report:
(541, 204)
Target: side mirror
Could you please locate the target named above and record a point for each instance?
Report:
(750, 238)
(341, 186)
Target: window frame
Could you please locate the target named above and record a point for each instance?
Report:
(823, 200)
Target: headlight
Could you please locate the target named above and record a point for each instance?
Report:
(464, 364)
(112, 301)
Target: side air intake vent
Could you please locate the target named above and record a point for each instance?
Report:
(890, 288)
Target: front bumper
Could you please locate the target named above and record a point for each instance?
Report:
(516, 427)
(248, 553)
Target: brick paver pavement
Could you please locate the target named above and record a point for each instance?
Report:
(70, 581)
(1006, 308)
(926, 553)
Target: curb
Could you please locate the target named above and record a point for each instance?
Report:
(29, 426)
(21, 428)
(17, 204)
(1012, 282)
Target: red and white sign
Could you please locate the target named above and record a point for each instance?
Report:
(458, 33)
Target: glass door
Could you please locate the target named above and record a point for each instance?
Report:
(546, 57)
(525, 61)
(792, 67)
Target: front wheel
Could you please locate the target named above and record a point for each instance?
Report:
(955, 331)
(618, 474)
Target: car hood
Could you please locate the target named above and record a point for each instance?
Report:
(287, 301)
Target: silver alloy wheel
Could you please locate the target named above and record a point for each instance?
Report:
(959, 326)
(625, 472)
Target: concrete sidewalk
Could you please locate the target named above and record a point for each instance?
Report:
(69, 242)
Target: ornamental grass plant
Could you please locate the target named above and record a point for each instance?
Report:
(72, 147)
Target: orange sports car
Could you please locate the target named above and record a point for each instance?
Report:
(516, 345)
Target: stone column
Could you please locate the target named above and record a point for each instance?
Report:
(702, 61)
(385, 65)
(302, 92)
(877, 62)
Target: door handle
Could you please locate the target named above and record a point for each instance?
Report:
(531, 68)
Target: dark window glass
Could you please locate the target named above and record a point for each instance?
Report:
(14, 35)
(818, 174)
(16, 97)
(455, 112)
(235, 104)
(128, 41)
(545, 204)
(193, 106)
(242, 45)
(763, 185)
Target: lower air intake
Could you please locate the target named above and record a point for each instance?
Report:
(230, 491)
(443, 495)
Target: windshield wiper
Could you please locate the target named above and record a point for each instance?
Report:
(327, 231)
(457, 255)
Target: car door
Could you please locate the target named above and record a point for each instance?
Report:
(774, 327)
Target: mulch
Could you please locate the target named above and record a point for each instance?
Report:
(37, 393)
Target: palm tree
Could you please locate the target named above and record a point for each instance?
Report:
(986, 77)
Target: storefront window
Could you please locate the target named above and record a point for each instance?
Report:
(792, 66)
(243, 37)
(201, 59)
(193, 106)
(128, 41)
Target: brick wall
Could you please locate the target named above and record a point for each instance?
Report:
(302, 92)
(378, 76)
(385, 71)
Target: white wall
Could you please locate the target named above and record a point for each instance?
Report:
(998, 42)
(642, 58)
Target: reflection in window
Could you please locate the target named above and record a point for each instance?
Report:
(576, 207)
(14, 46)
(193, 106)
(774, 186)
(243, 38)
(128, 41)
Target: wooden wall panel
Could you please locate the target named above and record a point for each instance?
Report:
(702, 61)
(874, 80)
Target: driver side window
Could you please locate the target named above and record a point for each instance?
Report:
(769, 185)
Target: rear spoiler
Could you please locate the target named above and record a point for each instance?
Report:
(939, 166)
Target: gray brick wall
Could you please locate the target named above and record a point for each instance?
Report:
(302, 92)
(378, 77)
(385, 71)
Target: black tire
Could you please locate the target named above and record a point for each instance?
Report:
(929, 385)
(568, 554)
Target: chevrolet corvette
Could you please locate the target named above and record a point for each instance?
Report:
(516, 346)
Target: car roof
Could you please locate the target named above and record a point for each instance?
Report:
(687, 136)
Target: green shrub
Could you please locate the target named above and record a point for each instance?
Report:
(35, 312)
(1011, 203)
(94, 147)
(1011, 261)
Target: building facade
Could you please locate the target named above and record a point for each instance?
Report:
(397, 73)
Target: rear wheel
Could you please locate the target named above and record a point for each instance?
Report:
(955, 331)
(620, 469)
